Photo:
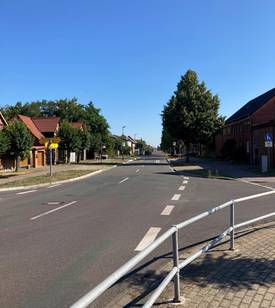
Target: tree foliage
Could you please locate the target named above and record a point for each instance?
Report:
(191, 114)
(4, 144)
(20, 141)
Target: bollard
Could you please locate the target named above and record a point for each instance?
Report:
(232, 224)
(176, 264)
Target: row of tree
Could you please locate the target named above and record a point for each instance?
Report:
(16, 141)
(191, 116)
(68, 110)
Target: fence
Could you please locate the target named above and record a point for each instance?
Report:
(174, 274)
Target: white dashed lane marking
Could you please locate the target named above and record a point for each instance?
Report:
(148, 238)
(137, 170)
(54, 210)
(124, 180)
(184, 182)
(186, 177)
(181, 187)
(167, 210)
(176, 197)
(26, 192)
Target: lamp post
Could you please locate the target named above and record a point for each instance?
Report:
(123, 129)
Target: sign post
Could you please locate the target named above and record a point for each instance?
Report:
(268, 144)
(50, 144)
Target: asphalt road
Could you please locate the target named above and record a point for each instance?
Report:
(58, 242)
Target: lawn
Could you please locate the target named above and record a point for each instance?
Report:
(58, 176)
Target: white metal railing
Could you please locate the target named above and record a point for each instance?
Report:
(174, 274)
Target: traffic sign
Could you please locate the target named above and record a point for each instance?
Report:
(53, 146)
(268, 137)
(45, 141)
(268, 144)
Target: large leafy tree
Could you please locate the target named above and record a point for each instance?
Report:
(4, 143)
(192, 112)
(20, 141)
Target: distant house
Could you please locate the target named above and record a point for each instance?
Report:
(37, 156)
(47, 126)
(249, 128)
(131, 143)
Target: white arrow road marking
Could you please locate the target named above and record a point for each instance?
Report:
(181, 187)
(54, 210)
(176, 197)
(124, 180)
(26, 192)
(167, 210)
(148, 238)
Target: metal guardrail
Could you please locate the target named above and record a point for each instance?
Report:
(174, 274)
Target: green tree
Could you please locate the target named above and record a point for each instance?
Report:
(20, 141)
(4, 143)
(70, 140)
(192, 113)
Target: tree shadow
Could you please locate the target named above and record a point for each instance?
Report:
(228, 270)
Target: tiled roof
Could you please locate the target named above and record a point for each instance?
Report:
(46, 125)
(252, 106)
(77, 124)
(29, 123)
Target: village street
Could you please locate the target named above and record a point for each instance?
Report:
(58, 242)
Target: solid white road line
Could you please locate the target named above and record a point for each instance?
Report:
(185, 182)
(124, 180)
(181, 187)
(26, 192)
(137, 170)
(54, 210)
(176, 197)
(148, 238)
(55, 185)
(167, 210)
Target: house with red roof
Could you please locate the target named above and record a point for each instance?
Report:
(37, 156)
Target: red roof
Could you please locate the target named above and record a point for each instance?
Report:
(46, 125)
(30, 125)
(77, 125)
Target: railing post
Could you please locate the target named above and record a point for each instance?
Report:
(232, 224)
(176, 264)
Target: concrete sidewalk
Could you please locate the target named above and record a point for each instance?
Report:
(241, 278)
(240, 172)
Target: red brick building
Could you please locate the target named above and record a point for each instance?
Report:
(248, 128)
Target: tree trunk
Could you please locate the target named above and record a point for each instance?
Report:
(187, 153)
(17, 164)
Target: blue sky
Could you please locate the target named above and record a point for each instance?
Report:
(128, 55)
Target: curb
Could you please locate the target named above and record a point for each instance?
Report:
(57, 182)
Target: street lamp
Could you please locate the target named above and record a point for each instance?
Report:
(123, 130)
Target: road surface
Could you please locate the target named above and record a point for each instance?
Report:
(60, 241)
